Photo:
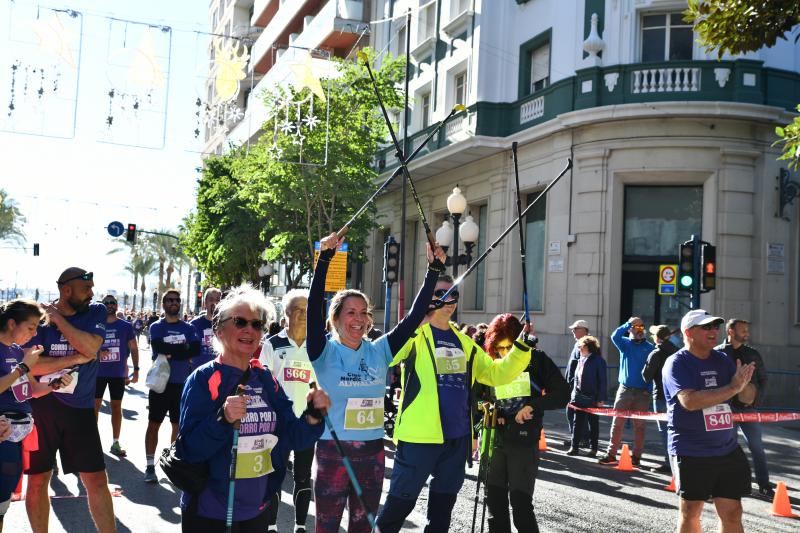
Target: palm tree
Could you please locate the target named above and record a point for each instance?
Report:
(144, 265)
(11, 219)
(164, 248)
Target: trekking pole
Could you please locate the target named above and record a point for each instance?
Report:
(492, 425)
(521, 236)
(485, 407)
(350, 473)
(232, 473)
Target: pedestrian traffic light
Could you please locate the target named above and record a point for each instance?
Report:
(130, 236)
(391, 260)
(686, 273)
(198, 298)
(36, 249)
(708, 276)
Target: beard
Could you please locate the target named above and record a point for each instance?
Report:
(80, 306)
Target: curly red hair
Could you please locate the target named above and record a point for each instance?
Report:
(502, 327)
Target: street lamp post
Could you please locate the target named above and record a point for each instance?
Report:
(467, 231)
(265, 272)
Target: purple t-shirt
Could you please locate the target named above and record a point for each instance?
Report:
(257, 439)
(451, 379)
(707, 432)
(179, 332)
(114, 364)
(55, 344)
(205, 333)
(15, 397)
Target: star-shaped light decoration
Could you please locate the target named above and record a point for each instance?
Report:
(275, 151)
(287, 127)
(304, 77)
(54, 38)
(144, 69)
(311, 122)
(233, 113)
(298, 138)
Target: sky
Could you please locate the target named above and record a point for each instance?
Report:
(71, 173)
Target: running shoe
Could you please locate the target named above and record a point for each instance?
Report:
(150, 474)
(117, 450)
(765, 491)
(607, 459)
(636, 461)
(592, 453)
(573, 451)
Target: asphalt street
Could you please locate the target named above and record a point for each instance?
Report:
(573, 494)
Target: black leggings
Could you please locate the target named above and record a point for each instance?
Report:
(192, 523)
(302, 488)
(581, 418)
(497, 499)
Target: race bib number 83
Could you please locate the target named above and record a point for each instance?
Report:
(519, 388)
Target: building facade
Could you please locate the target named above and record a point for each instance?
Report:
(666, 142)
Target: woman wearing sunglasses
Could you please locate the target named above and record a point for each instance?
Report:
(353, 371)
(268, 430)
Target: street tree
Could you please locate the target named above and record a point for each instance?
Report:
(253, 206)
(736, 27)
(11, 219)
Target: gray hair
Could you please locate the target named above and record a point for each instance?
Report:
(243, 294)
(291, 297)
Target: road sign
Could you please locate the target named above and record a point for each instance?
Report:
(667, 282)
(337, 270)
(115, 229)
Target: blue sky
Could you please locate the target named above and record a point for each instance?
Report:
(69, 189)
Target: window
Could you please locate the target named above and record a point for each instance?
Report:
(457, 7)
(460, 88)
(540, 68)
(425, 107)
(401, 41)
(658, 219)
(666, 37)
(427, 23)
(535, 234)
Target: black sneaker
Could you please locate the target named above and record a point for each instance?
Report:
(592, 453)
(150, 474)
(765, 491)
(566, 444)
(636, 461)
(585, 444)
(573, 451)
(607, 459)
(661, 469)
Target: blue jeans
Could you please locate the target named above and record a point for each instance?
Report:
(752, 436)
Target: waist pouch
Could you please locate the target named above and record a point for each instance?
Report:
(21, 425)
(526, 434)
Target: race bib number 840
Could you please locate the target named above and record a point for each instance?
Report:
(718, 417)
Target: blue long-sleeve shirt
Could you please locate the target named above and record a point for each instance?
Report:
(632, 358)
(270, 423)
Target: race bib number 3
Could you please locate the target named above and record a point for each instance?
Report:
(363, 413)
(718, 417)
(254, 457)
(450, 361)
(112, 356)
(297, 371)
(519, 388)
(22, 389)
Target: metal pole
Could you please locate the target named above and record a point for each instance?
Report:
(387, 308)
(456, 220)
(401, 285)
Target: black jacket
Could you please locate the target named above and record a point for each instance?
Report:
(747, 354)
(655, 362)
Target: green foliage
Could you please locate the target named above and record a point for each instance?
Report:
(11, 219)
(252, 207)
(738, 26)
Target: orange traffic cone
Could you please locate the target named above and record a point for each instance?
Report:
(543, 443)
(671, 487)
(780, 503)
(625, 463)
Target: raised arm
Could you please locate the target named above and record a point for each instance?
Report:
(695, 400)
(315, 322)
(406, 327)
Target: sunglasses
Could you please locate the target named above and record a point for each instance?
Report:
(503, 348)
(86, 276)
(441, 292)
(109, 302)
(708, 327)
(240, 323)
(638, 327)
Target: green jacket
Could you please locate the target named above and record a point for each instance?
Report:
(418, 415)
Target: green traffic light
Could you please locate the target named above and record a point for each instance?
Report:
(686, 281)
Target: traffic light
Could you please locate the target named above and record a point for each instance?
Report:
(686, 273)
(130, 235)
(708, 276)
(391, 260)
(36, 249)
(198, 299)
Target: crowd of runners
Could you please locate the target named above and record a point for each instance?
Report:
(242, 402)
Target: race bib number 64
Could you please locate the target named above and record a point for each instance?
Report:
(718, 417)
(363, 413)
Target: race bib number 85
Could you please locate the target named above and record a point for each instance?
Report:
(363, 413)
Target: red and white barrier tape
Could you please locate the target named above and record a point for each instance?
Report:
(662, 417)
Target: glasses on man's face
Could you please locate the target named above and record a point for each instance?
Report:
(638, 327)
(86, 276)
(172, 300)
(109, 302)
(240, 323)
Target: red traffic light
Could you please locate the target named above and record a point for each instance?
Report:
(710, 268)
(130, 236)
(199, 294)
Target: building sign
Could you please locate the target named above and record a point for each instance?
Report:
(667, 279)
(337, 270)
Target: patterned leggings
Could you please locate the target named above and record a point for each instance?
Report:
(332, 488)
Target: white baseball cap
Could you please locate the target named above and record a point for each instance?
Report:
(580, 324)
(699, 317)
